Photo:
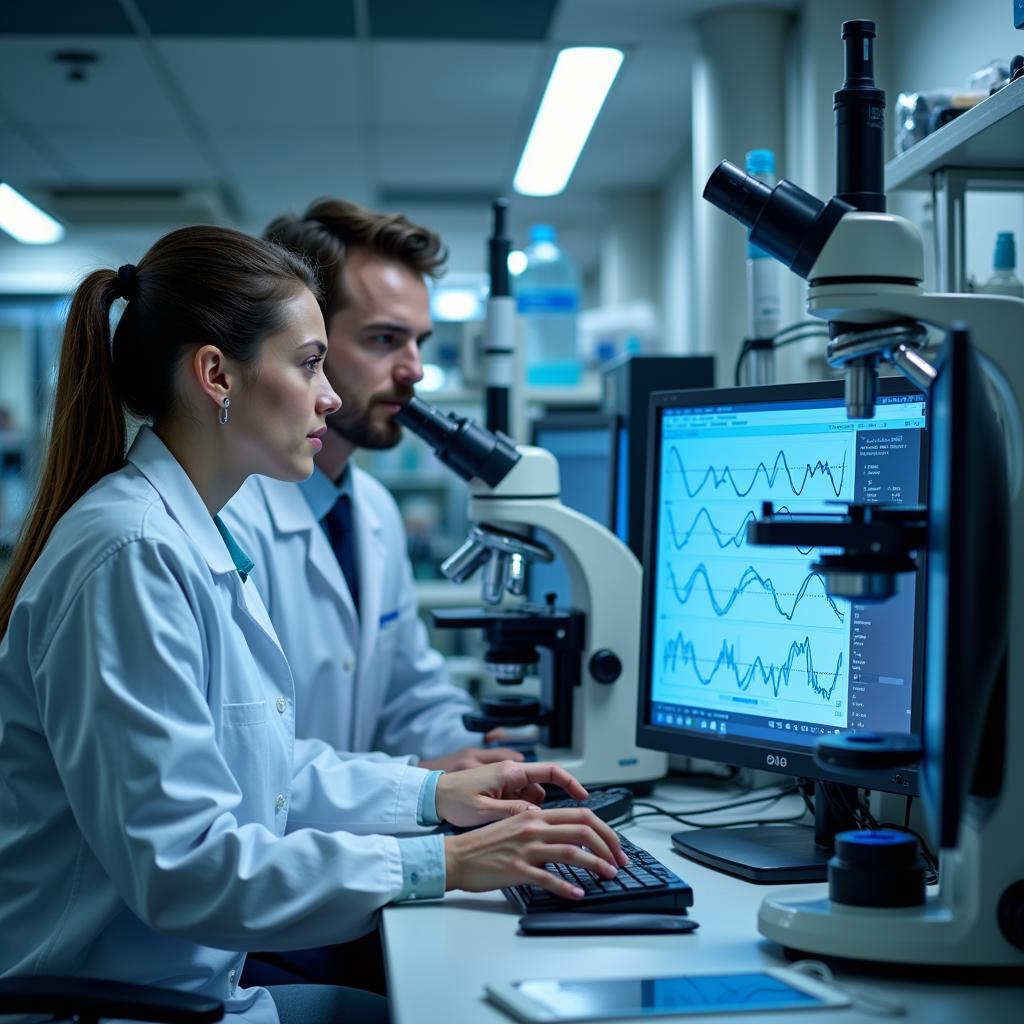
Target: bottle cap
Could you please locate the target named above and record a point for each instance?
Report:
(542, 233)
(760, 161)
(1006, 251)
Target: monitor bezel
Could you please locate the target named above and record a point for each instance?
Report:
(785, 759)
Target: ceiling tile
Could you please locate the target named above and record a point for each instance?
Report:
(144, 155)
(118, 93)
(25, 163)
(65, 17)
(269, 84)
(315, 19)
(619, 23)
(457, 84)
(443, 158)
(461, 19)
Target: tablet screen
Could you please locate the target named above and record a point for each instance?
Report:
(696, 994)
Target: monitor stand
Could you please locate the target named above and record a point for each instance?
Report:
(769, 854)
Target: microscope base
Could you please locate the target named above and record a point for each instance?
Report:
(930, 935)
(642, 766)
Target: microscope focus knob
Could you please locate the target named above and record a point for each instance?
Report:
(605, 666)
(1011, 914)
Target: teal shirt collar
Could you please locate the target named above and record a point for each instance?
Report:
(243, 563)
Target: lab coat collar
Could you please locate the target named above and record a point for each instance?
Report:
(155, 462)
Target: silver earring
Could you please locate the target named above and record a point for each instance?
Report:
(224, 406)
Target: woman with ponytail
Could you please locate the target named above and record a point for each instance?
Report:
(158, 817)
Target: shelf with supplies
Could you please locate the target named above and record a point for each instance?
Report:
(982, 149)
(989, 136)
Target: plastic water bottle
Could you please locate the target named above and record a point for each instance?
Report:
(763, 272)
(548, 300)
(1003, 280)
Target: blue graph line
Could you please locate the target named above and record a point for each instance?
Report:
(681, 650)
(718, 478)
(737, 539)
(749, 577)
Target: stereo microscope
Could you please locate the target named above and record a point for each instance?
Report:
(587, 655)
(865, 270)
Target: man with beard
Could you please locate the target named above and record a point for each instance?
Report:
(330, 552)
(331, 557)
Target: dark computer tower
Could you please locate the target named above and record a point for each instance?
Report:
(629, 382)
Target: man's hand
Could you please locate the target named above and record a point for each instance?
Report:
(493, 791)
(514, 851)
(471, 757)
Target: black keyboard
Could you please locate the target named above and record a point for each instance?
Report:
(644, 885)
(608, 804)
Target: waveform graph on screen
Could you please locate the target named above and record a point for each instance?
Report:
(811, 468)
(756, 670)
(743, 628)
(791, 592)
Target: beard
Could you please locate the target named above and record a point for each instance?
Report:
(357, 423)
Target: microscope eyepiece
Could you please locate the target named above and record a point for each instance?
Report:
(860, 123)
(463, 446)
(785, 221)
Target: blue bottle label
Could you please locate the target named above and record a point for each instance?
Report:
(547, 300)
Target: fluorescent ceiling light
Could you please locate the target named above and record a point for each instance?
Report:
(25, 221)
(579, 83)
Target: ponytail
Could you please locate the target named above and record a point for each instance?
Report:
(87, 440)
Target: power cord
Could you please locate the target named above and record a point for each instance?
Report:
(686, 818)
(863, 998)
(799, 331)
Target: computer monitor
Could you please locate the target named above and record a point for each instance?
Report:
(745, 658)
(585, 446)
(628, 382)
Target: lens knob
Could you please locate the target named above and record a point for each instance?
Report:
(605, 666)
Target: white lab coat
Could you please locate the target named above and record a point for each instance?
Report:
(370, 682)
(157, 815)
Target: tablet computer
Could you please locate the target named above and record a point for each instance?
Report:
(550, 1001)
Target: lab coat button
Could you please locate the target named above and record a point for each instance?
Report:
(347, 664)
(281, 704)
(279, 802)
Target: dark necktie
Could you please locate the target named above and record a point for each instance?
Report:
(338, 526)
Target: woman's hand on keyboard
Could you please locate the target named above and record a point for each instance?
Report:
(475, 796)
(514, 851)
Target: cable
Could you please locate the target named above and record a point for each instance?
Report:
(687, 818)
(798, 325)
(800, 331)
(771, 795)
(863, 998)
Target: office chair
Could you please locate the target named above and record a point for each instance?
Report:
(87, 1000)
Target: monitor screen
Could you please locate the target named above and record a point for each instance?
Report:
(746, 659)
(584, 446)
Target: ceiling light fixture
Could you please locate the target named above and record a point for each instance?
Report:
(575, 93)
(25, 221)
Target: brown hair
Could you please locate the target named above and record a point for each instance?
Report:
(329, 227)
(199, 285)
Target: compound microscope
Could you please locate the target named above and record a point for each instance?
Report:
(587, 656)
(864, 270)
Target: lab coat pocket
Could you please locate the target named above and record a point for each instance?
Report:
(245, 744)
